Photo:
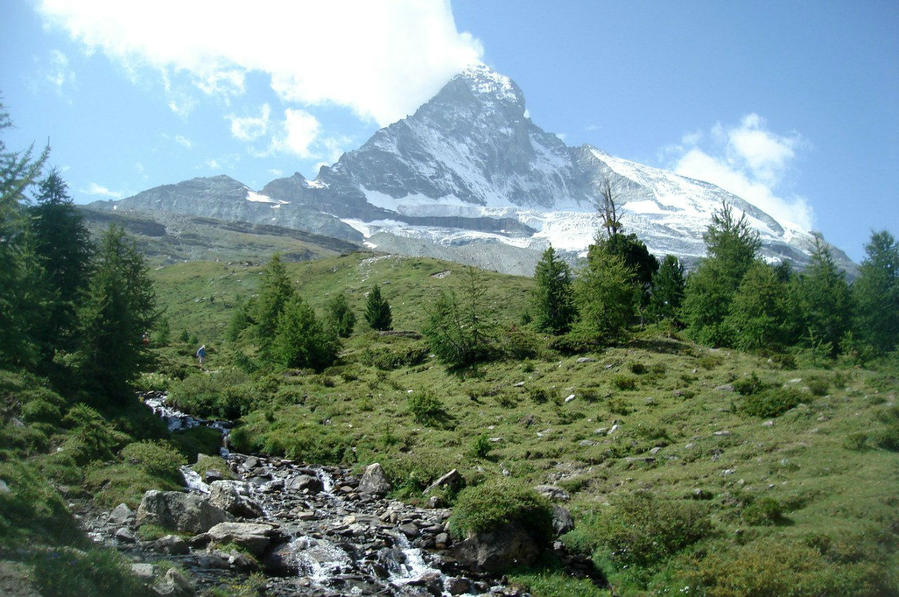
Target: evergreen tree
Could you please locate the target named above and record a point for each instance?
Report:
(876, 292)
(377, 310)
(667, 290)
(300, 338)
(18, 171)
(274, 292)
(731, 247)
(461, 329)
(61, 245)
(824, 300)
(635, 255)
(759, 312)
(120, 307)
(340, 316)
(553, 298)
(605, 295)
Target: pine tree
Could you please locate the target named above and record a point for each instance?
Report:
(61, 245)
(340, 316)
(120, 307)
(300, 338)
(461, 328)
(824, 300)
(876, 292)
(553, 297)
(274, 292)
(377, 310)
(667, 290)
(606, 295)
(759, 312)
(731, 247)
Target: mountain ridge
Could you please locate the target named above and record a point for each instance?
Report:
(469, 167)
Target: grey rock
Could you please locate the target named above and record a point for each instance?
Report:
(441, 540)
(374, 481)
(255, 537)
(234, 497)
(457, 585)
(4, 488)
(409, 529)
(498, 550)
(553, 492)
(171, 544)
(452, 481)
(125, 535)
(179, 511)
(142, 571)
(174, 584)
(562, 520)
(586, 360)
(212, 475)
(304, 482)
(120, 515)
(726, 387)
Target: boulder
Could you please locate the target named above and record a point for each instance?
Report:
(301, 482)
(255, 537)
(174, 584)
(553, 492)
(171, 544)
(452, 480)
(374, 481)
(120, 515)
(498, 550)
(562, 521)
(179, 511)
(234, 497)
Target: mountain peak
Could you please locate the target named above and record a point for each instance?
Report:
(485, 81)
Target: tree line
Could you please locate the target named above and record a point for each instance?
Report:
(71, 310)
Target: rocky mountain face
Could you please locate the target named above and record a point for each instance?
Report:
(469, 177)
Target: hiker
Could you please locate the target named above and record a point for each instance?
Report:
(201, 355)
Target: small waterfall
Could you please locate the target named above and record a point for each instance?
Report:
(192, 480)
(319, 559)
(413, 566)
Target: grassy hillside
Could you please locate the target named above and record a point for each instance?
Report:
(690, 470)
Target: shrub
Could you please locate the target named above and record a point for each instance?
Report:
(493, 505)
(762, 511)
(638, 368)
(640, 529)
(818, 386)
(538, 395)
(92, 437)
(772, 402)
(519, 343)
(156, 458)
(390, 358)
(426, 408)
(481, 446)
(749, 385)
(197, 440)
(221, 395)
(624, 382)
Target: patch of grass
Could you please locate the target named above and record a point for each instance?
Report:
(75, 573)
(624, 382)
(772, 402)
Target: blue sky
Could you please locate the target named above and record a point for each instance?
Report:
(793, 105)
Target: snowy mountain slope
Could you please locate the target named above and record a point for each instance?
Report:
(470, 174)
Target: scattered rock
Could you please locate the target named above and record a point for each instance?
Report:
(179, 511)
(120, 515)
(456, 585)
(452, 481)
(142, 571)
(586, 443)
(174, 584)
(553, 492)
(727, 387)
(212, 475)
(569, 398)
(586, 360)
(171, 544)
(701, 494)
(234, 497)
(304, 482)
(723, 433)
(498, 550)
(125, 535)
(255, 537)
(562, 521)
(374, 481)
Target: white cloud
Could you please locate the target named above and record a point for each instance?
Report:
(183, 141)
(60, 73)
(380, 58)
(250, 128)
(300, 130)
(750, 161)
(96, 189)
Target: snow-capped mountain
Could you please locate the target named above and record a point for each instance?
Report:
(470, 177)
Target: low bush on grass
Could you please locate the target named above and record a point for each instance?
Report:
(495, 504)
(762, 511)
(91, 437)
(388, 358)
(32, 509)
(639, 529)
(158, 459)
(197, 440)
(426, 408)
(481, 446)
(624, 382)
(73, 573)
(747, 386)
(772, 402)
(224, 395)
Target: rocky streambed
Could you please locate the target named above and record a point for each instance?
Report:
(311, 530)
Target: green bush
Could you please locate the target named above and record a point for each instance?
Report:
(197, 440)
(426, 408)
(772, 402)
(638, 368)
(156, 458)
(40, 405)
(493, 505)
(222, 395)
(32, 509)
(624, 382)
(642, 530)
(390, 358)
(481, 446)
(749, 385)
(762, 511)
(92, 437)
(73, 573)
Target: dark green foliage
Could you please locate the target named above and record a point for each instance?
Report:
(340, 316)
(301, 340)
(395, 356)
(772, 402)
(162, 333)
(824, 300)
(667, 290)
(606, 296)
(275, 291)
(241, 319)
(876, 293)
(62, 250)
(731, 247)
(495, 504)
(119, 309)
(197, 440)
(636, 257)
(624, 382)
(481, 446)
(462, 330)
(75, 573)
(554, 309)
(426, 408)
(642, 530)
(32, 509)
(92, 437)
(377, 310)
(760, 312)
(155, 458)
(762, 511)
(225, 394)
(749, 385)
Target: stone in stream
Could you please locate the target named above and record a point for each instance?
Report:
(174, 583)
(120, 515)
(234, 497)
(179, 511)
(498, 550)
(255, 537)
(171, 544)
(374, 481)
(304, 482)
